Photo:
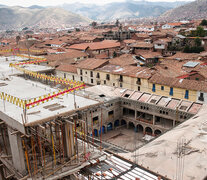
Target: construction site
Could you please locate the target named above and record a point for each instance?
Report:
(56, 128)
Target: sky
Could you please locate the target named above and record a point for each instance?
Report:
(27, 3)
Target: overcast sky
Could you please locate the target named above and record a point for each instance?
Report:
(58, 2)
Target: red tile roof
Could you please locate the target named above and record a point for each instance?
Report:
(179, 83)
(96, 45)
(92, 63)
(67, 68)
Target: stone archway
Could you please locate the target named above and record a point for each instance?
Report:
(95, 132)
(148, 130)
(109, 126)
(157, 132)
(131, 125)
(123, 122)
(103, 129)
(140, 128)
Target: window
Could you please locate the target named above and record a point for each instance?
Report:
(104, 81)
(102, 95)
(171, 91)
(86, 72)
(91, 81)
(95, 119)
(138, 81)
(162, 88)
(81, 78)
(120, 84)
(91, 73)
(113, 84)
(186, 94)
(197, 79)
(126, 95)
(138, 88)
(110, 113)
(153, 88)
(64, 75)
(108, 77)
(121, 78)
(201, 97)
(73, 77)
(98, 75)
(81, 72)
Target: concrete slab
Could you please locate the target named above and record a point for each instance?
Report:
(163, 101)
(26, 89)
(195, 108)
(127, 93)
(144, 97)
(136, 95)
(154, 99)
(6, 71)
(173, 103)
(185, 105)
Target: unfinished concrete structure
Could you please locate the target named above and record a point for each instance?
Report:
(55, 138)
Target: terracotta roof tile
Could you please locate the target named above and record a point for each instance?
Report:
(96, 45)
(179, 83)
(67, 68)
(92, 63)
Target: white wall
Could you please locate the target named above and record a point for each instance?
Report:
(162, 46)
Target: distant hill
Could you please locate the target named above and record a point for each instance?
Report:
(122, 10)
(193, 10)
(19, 17)
(36, 7)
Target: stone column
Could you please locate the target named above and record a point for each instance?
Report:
(17, 151)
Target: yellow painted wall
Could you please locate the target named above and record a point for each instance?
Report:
(177, 92)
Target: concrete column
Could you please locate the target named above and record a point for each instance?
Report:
(17, 151)
(113, 125)
(135, 114)
(153, 119)
(1, 172)
(69, 141)
(173, 123)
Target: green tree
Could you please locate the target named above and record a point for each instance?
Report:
(197, 42)
(200, 32)
(203, 22)
(186, 49)
(94, 24)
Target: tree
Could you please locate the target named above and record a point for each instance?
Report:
(200, 32)
(94, 24)
(203, 22)
(114, 54)
(197, 42)
(77, 29)
(186, 49)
